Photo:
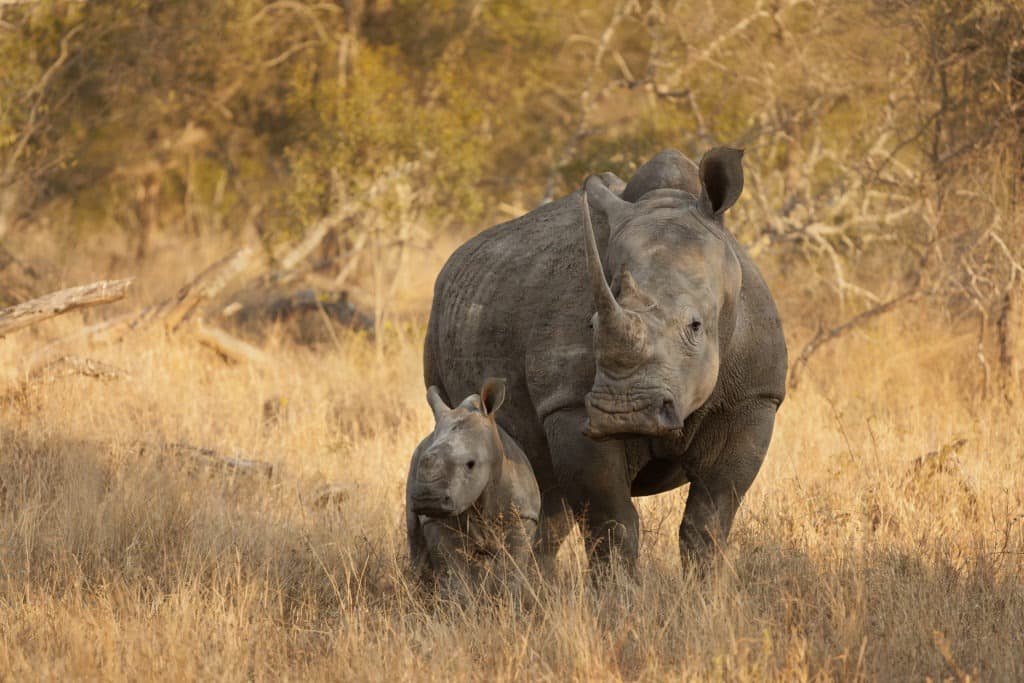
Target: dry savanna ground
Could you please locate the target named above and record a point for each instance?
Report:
(123, 557)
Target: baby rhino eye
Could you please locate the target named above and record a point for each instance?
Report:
(471, 464)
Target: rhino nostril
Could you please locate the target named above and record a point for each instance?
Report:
(668, 416)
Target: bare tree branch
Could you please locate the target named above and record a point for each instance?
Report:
(588, 97)
(823, 337)
(37, 90)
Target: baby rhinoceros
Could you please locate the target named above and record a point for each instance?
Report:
(472, 501)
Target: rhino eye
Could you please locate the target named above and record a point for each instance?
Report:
(471, 464)
(695, 326)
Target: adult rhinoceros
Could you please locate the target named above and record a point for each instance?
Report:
(642, 348)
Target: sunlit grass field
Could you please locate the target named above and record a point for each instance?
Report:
(855, 556)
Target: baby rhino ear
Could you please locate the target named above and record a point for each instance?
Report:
(492, 395)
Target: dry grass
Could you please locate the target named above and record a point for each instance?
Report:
(120, 559)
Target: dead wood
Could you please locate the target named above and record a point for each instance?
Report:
(202, 288)
(230, 347)
(309, 242)
(181, 309)
(308, 316)
(823, 336)
(65, 366)
(57, 303)
(175, 310)
(211, 459)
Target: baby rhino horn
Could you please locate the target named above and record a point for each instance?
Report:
(437, 404)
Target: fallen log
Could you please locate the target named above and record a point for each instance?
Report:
(176, 310)
(230, 347)
(307, 316)
(208, 458)
(65, 366)
(57, 303)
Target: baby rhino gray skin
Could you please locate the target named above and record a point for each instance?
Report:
(471, 495)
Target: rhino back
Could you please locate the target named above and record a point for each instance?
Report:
(511, 302)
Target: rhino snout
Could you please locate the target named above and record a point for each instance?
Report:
(432, 503)
(431, 468)
(629, 413)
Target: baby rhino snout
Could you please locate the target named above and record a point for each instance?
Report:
(431, 467)
(430, 492)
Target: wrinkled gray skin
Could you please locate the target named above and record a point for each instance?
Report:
(643, 352)
(471, 494)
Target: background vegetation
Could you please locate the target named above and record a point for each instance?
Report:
(884, 162)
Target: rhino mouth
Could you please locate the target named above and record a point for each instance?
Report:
(433, 505)
(613, 416)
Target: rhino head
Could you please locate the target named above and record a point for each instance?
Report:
(664, 292)
(463, 455)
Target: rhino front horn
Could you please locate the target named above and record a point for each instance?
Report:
(608, 308)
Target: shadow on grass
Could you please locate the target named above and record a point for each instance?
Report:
(78, 515)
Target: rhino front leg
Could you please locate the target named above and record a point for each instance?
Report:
(448, 556)
(419, 555)
(555, 524)
(592, 476)
(716, 491)
(520, 546)
(516, 567)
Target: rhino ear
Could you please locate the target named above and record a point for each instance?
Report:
(613, 182)
(615, 208)
(721, 180)
(437, 403)
(492, 395)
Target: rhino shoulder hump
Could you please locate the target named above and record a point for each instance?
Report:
(668, 169)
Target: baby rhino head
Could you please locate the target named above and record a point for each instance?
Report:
(462, 455)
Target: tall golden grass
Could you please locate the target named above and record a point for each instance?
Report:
(122, 559)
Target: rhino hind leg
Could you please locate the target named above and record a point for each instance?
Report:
(715, 494)
(596, 485)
